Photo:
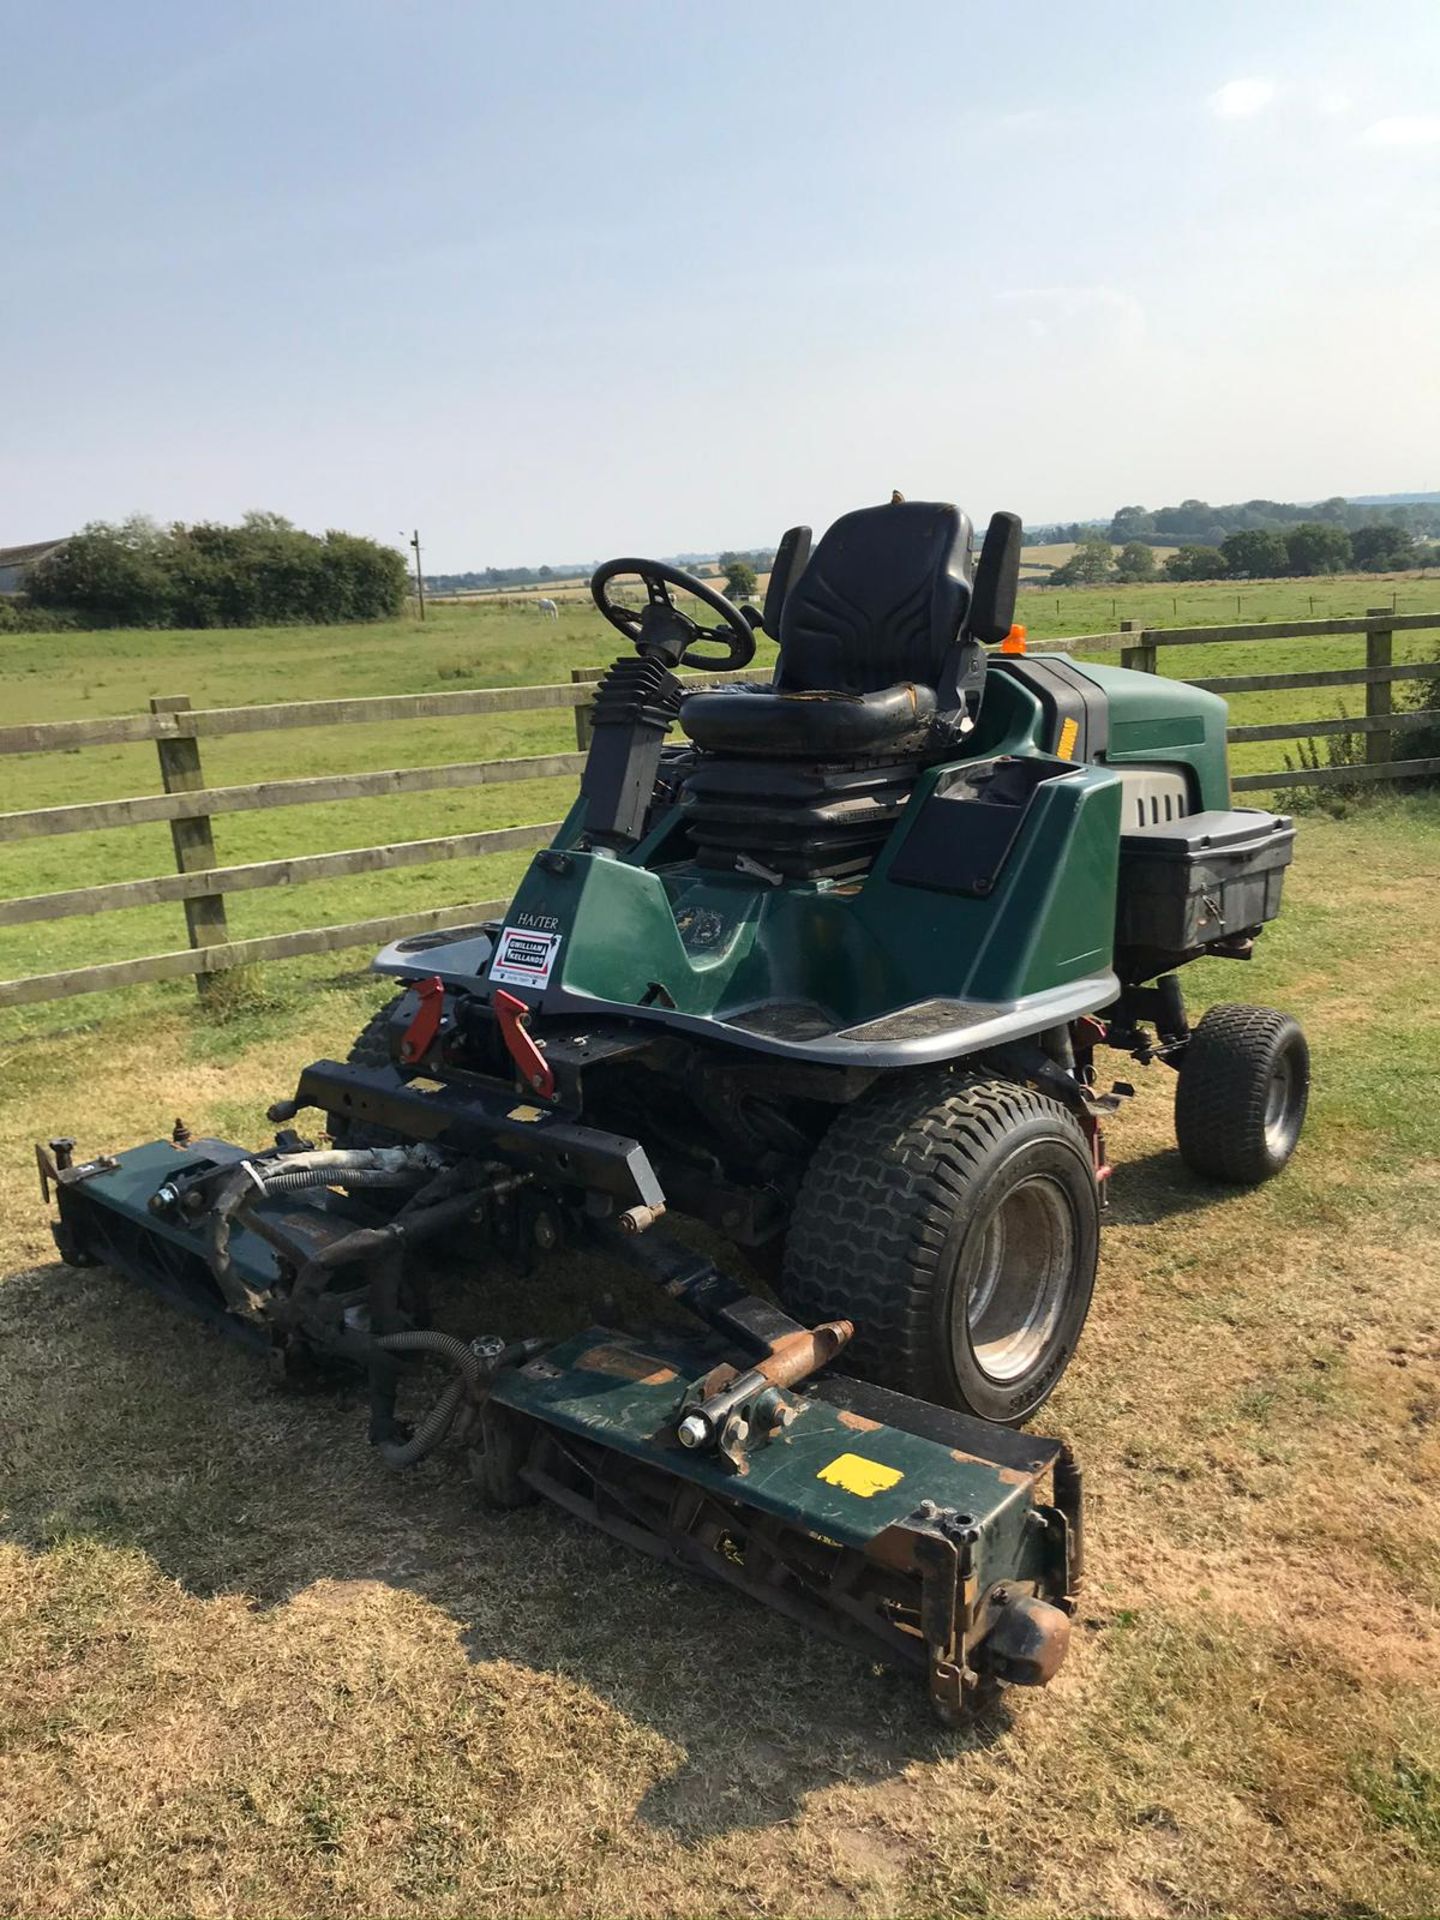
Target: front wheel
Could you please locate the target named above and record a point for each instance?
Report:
(1242, 1092)
(956, 1221)
(370, 1048)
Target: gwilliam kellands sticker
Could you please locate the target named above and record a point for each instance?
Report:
(523, 958)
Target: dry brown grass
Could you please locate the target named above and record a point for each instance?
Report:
(245, 1671)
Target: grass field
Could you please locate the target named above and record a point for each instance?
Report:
(45, 677)
(243, 1671)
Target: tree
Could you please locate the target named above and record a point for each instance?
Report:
(261, 573)
(115, 575)
(1315, 548)
(1257, 555)
(1087, 566)
(1195, 563)
(1192, 520)
(741, 579)
(1136, 562)
(1131, 523)
(1381, 549)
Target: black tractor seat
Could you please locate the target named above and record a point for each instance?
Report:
(824, 724)
(879, 674)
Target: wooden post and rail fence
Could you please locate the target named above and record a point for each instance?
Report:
(201, 885)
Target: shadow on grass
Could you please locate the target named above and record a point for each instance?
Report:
(1158, 1186)
(136, 1428)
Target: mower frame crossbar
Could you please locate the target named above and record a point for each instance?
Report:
(468, 1114)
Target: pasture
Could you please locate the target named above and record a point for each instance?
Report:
(243, 1670)
(495, 643)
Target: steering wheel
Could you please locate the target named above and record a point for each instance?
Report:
(661, 628)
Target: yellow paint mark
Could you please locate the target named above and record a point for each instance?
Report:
(863, 1478)
(1069, 734)
(526, 1113)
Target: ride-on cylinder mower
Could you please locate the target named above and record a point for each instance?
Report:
(831, 977)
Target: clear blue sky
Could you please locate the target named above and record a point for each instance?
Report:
(553, 280)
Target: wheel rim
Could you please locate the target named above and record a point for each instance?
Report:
(1280, 1105)
(1027, 1256)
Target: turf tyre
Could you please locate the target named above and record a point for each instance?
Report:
(918, 1202)
(1241, 1095)
(370, 1048)
(498, 1448)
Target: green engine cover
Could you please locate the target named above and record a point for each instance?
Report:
(1161, 722)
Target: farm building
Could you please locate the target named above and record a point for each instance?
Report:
(16, 561)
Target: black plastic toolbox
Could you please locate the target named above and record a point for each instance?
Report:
(1185, 883)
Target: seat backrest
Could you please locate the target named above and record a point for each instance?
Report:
(882, 600)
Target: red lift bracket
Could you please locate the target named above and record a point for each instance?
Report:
(421, 1032)
(514, 1017)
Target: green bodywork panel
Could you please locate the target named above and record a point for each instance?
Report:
(717, 943)
(1160, 722)
(714, 943)
(952, 942)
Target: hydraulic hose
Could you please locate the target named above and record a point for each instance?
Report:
(369, 1243)
(472, 1368)
(297, 1180)
(438, 1422)
(252, 1180)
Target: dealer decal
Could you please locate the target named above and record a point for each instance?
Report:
(524, 958)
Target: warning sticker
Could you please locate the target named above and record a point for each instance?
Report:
(523, 958)
(1069, 734)
(864, 1478)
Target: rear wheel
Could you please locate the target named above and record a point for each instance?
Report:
(957, 1222)
(1242, 1092)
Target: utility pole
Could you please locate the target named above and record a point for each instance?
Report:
(419, 576)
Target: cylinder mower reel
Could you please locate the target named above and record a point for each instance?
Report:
(830, 971)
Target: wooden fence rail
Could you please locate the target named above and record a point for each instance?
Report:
(203, 803)
(200, 885)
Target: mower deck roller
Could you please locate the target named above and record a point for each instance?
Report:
(916, 1535)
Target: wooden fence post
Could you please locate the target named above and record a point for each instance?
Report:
(585, 716)
(1379, 694)
(1141, 658)
(193, 840)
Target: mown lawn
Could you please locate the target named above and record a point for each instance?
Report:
(244, 1671)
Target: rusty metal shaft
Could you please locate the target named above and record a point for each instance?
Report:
(793, 1358)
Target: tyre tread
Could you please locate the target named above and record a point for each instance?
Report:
(1220, 1096)
(889, 1177)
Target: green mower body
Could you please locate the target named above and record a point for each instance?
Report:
(981, 918)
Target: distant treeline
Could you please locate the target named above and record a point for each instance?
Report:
(492, 579)
(1309, 547)
(264, 572)
(1196, 523)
